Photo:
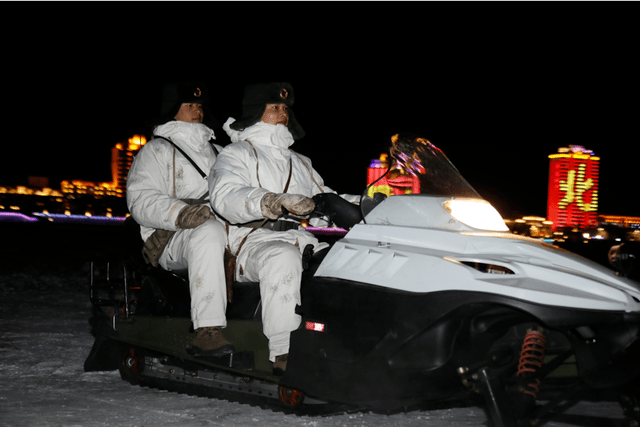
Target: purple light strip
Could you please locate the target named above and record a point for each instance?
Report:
(16, 217)
(20, 217)
(80, 218)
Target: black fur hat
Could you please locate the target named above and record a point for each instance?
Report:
(257, 96)
(176, 94)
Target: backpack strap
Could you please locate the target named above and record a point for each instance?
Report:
(286, 187)
(187, 157)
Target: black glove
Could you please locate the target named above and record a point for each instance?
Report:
(341, 212)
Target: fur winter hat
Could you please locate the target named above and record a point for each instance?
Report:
(255, 99)
(176, 94)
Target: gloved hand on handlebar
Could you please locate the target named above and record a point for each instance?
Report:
(298, 205)
(192, 216)
(341, 212)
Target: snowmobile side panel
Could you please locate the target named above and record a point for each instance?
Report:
(398, 257)
(378, 344)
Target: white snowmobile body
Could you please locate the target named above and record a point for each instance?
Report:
(431, 291)
(428, 298)
(414, 244)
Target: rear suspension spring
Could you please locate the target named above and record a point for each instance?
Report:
(531, 359)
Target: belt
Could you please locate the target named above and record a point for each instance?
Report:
(278, 225)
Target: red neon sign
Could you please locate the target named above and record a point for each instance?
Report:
(573, 190)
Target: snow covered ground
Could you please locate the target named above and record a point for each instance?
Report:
(45, 338)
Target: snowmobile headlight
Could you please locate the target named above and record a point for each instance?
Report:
(476, 213)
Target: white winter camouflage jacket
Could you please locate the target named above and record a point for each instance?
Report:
(239, 180)
(154, 190)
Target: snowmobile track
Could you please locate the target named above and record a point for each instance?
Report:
(266, 402)
(273, 404)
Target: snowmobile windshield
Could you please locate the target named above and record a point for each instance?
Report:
(419, 167)
(428, 191)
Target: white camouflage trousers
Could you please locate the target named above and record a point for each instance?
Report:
(274, 260)
(201, 250)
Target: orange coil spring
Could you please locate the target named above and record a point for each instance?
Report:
(532, 358)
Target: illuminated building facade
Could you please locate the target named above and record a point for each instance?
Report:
(121, 159)
(395, 183)
(573, 188)
(532, 226)
(620, 221)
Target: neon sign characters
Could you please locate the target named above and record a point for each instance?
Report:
(573, 188)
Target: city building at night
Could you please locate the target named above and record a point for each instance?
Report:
(531, 226)
(121, 159)
(573, 188)
(394, 183)
(85, 198)
(572, 208)
(620, 221)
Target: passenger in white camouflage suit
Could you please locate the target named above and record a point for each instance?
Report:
(163, 188)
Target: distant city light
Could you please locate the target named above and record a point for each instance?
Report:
(136, 142)
(572, 207)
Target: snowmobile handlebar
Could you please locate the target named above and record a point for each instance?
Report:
(341, 212)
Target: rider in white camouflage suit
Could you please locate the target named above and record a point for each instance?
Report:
(254, 178)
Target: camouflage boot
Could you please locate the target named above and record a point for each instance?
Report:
(209, 341)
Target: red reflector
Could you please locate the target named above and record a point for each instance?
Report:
(315, 326)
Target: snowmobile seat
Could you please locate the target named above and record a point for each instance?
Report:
(167, 292)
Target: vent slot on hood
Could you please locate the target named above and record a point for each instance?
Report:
(488, 268)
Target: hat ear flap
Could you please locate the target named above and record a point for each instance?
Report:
(250, 116)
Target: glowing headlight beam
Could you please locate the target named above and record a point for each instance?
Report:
(476, 213)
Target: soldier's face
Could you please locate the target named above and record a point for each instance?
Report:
(190, 113)
(276, 114)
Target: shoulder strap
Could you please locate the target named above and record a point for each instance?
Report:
(185, 155)
(215, 150)
(255, 153)
(286, 187)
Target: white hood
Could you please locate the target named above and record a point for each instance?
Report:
(262, 133)
(195, 135)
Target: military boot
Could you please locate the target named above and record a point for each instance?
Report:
(209, 341)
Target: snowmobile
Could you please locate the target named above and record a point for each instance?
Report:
(421, 300)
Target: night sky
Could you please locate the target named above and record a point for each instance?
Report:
(497, 87)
